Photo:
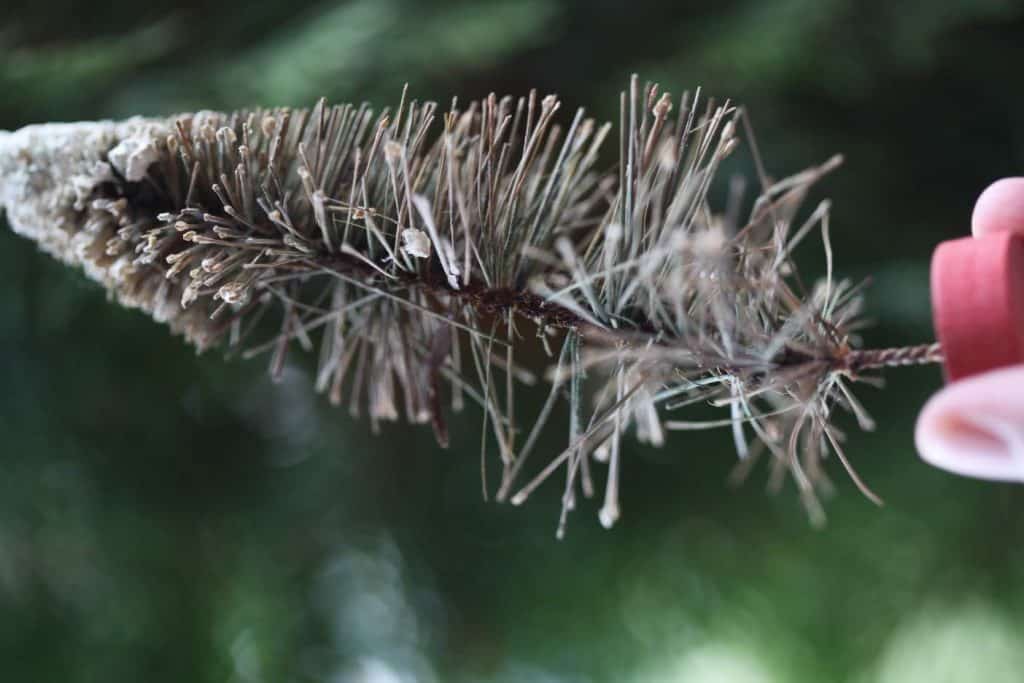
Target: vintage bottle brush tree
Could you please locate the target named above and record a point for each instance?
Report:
(418, 253)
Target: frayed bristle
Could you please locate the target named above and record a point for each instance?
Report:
(413, 254)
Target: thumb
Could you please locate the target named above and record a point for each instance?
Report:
(975, 427)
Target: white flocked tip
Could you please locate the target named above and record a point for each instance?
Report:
(49, 174)
(6, 153)
(48, 170)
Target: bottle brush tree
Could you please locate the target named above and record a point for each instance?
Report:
(419, 253)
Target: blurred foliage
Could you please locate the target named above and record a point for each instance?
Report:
(167, 517)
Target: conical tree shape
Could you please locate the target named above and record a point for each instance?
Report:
(419, 256)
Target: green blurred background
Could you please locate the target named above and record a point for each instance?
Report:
(168, 517)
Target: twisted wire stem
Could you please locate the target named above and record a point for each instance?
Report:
(867, 359)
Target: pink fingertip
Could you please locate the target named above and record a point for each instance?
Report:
(975, 427)
(1000, 207)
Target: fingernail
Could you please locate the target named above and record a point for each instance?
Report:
(982, 445)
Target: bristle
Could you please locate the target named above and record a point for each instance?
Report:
(413, 259)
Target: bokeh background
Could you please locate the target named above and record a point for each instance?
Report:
(169, 517)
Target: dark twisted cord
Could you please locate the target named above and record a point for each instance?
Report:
(868, 359)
